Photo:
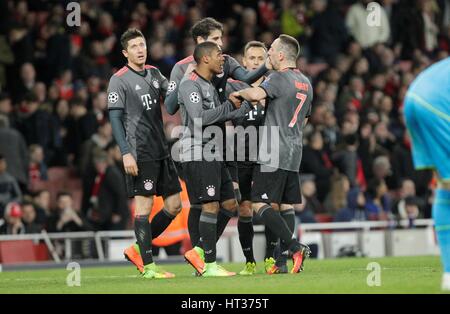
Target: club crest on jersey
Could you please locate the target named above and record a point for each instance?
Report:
(194, 97)
(148, 185)
(172, 86)
(155, 84)
(113, 97)
(211, 190)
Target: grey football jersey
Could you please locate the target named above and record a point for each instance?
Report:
(219, 81)
(140, 96)
(289, 95)
(253, 118)
(201, 107)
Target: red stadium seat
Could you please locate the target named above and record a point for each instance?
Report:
(41, 252)
(14, 252)
(58, 173)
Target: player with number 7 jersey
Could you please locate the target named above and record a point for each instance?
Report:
(288, 95)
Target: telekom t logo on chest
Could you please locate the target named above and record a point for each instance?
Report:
(147, 101)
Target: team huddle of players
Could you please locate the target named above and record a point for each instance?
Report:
(211, 89)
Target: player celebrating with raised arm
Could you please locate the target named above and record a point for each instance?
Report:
(209, 30)
(207, 178)
(427, 116)
(276, 179)
(134, 97)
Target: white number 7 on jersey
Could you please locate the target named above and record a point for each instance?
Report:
(302, 98)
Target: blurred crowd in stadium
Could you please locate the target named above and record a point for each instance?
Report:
(61, 171)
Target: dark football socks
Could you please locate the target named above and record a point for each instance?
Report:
(245, 228)
(142, 229)
(208, 231)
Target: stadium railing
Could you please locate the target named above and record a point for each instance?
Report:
(100, 238)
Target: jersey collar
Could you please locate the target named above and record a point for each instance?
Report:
(201, 76)
(290, 68)
(138, 73)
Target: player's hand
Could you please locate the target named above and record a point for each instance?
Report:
(130, 165)
(236, 99)
(191, 67)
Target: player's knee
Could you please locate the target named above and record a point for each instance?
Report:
(230, 205)
(212, 207)
(257, 206)
(245, 211)
(142, 211)
(144, 205)
(175, 208)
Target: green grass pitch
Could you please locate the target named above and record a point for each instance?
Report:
(398, 275)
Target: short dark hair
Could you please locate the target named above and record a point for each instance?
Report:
(204, 49)
(128, 35)
(290, 46)
(76, 101)
(63, 193)
(253, 44)
(27, 203)
(204, 27)
(30, 97)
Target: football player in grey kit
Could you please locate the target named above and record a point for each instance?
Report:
(255, 54)
(276, 178)
(134, 98)
(209, 30)
(207, 178)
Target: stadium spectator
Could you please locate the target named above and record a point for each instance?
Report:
(365, 33)
(382, 170)
(14, 151)
(41, 202)
(337, 198)
(104, 198)
(310, 205)
(61, 125)
(356, 209)
(66, 218)
(9, 188)
(27, 81)
(378, 201)
(408, 205)
(346, 158)
(81, 127)
(402, 165)
(12, 223)
(6, 107)
(29, 218)
(317, 162)
(36, 125)
(37, 169)
(98, 142)
(329, 33)
(6, 59)
(115, 157)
